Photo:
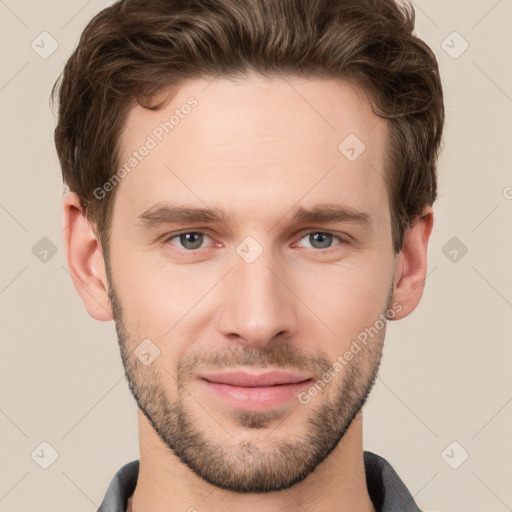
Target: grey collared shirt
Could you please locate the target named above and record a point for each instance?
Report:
(387, 491)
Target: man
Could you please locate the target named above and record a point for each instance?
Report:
(251, 184)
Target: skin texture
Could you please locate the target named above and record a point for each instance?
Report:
(258, 149)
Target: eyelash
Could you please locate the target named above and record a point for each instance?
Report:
(342, 241)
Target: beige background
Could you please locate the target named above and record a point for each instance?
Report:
(446, 368)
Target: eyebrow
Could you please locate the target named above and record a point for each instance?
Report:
(169, 213)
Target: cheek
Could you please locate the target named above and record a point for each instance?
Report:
(155, 289)
(165, 304)
(345, 298)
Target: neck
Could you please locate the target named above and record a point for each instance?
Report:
(166, 484)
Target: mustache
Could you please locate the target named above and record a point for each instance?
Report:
(281, 355)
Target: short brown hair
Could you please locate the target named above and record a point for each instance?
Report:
(135, 49)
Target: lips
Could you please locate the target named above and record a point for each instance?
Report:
(254, 392)
(243, 379)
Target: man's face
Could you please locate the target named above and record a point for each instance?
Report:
(259, 290)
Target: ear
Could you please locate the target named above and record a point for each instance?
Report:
(85, 259)
(411, 264)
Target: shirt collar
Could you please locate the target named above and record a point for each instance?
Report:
(387, 491)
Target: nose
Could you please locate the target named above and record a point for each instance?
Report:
(257, 302)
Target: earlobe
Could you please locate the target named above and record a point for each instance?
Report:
(411, 264)
(85, 259)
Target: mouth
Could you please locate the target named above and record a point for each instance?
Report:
(255, 391)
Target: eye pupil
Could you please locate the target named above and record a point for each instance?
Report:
(323, 238)
(186, 241)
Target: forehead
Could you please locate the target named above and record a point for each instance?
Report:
(258, 141)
